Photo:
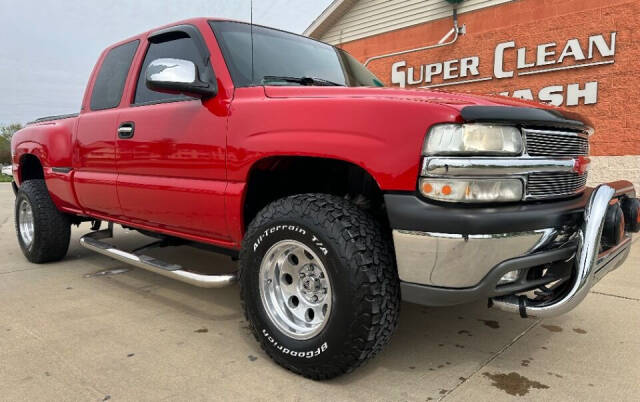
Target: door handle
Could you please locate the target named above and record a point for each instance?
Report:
(126, 129)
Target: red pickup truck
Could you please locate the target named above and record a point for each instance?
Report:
(338, 196)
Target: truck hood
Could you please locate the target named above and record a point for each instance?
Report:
(454, 100)
(471, 107)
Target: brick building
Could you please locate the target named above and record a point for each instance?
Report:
(583, 55)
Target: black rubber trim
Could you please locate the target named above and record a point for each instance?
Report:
(522, 306)
(157, 102)
(407, 211)
(410, 212)
(52, 118)
(14, 187)
(438, 296)
(170, 33)
(527, 116)
(64, 170)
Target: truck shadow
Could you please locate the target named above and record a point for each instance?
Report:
(449, 342)
(443, 341)
(168, 292)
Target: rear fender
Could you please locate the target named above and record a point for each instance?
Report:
(50, 143)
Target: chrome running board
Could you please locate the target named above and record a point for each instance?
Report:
(93, 241)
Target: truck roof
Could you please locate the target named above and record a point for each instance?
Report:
(192, 21)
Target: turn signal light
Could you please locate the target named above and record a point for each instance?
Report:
(472, 190)
(427, 188)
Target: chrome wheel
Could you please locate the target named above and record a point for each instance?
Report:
(295, 289)
(25, 223)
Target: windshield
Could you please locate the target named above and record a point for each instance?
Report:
(281, 58)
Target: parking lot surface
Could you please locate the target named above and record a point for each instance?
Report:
(92, 328)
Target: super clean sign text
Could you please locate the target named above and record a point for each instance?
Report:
(574, 54)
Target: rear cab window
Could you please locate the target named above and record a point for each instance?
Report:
(109, 84)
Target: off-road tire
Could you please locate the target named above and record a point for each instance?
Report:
(52, 228)
(358, 257)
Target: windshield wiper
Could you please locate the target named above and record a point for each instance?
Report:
(307, 81)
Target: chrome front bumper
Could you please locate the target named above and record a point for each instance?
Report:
(457, 261)
(439, 269)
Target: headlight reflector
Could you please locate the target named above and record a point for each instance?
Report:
(472, 190)
(473, 139)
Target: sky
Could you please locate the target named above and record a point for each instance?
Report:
(49, 47)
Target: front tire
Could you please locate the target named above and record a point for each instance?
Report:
(319, 284)
(43, 231)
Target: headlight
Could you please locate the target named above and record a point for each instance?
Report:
(473, 139)
(472, 190)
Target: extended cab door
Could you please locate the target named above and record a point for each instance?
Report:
(172, 149)
(95, 168)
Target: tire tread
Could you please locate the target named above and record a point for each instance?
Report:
(52, 230)
(364, 248)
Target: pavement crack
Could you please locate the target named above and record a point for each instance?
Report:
(19, 270)
(493, 357)
(616, 296)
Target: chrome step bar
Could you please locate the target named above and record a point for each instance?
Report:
(93, 241)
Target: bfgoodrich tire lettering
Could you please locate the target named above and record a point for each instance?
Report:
(51, 228)
(358, 259)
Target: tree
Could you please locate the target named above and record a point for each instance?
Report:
(6, 132)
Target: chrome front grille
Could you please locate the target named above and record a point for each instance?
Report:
(556, 143)
(555, 185)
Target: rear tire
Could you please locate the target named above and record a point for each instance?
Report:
(43, 231)
(345, 281)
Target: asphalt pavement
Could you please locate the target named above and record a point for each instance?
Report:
(90, 328)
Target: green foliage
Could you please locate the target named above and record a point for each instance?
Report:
(455, 1)
(6, 132)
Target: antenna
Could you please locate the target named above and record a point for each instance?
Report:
(251, 16)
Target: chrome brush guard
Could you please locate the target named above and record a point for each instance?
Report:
(590, 264)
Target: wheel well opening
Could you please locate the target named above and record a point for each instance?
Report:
(30, 168)
(278, 177)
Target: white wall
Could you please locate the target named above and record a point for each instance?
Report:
(372, 17)
(603, 169)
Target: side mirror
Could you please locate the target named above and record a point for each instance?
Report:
(177, 76)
